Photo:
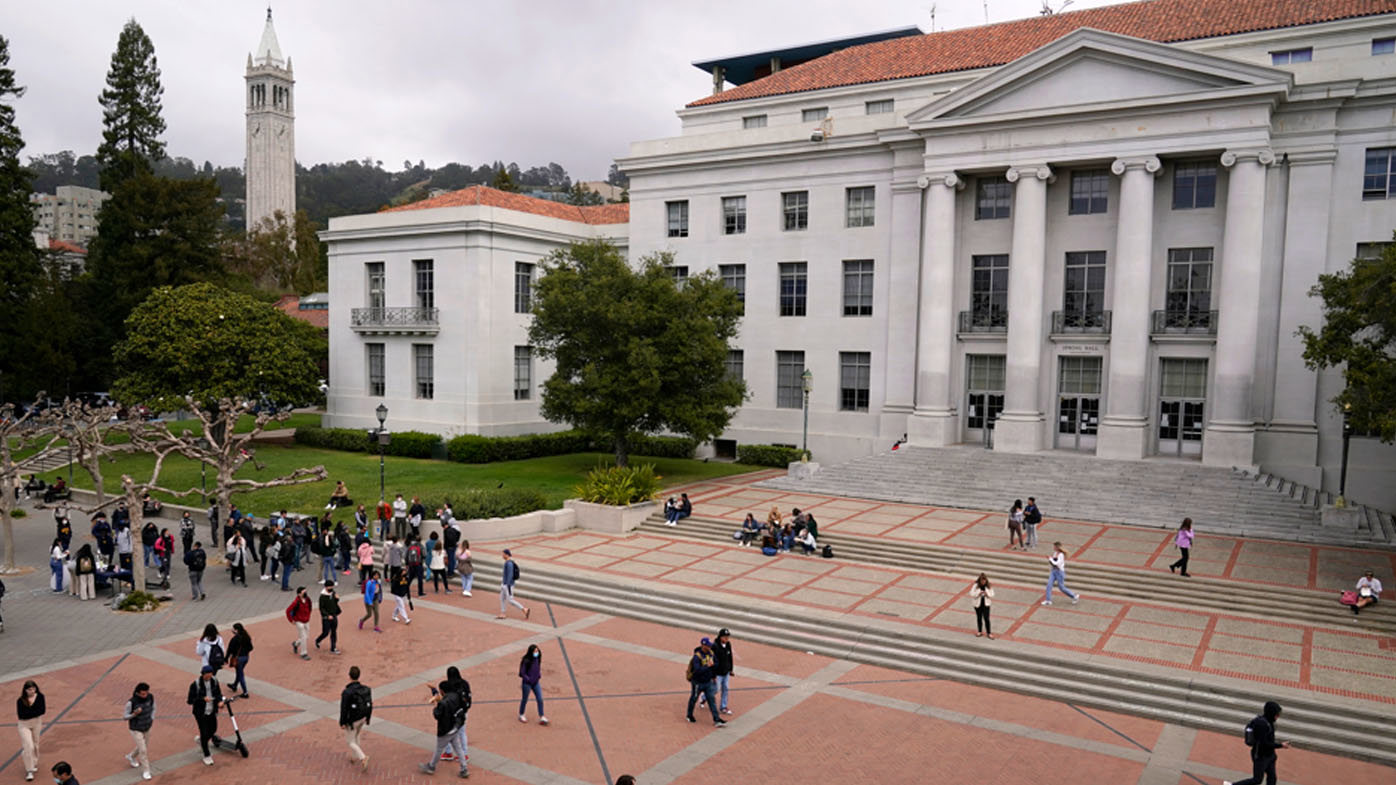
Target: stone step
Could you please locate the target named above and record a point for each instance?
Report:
(1335, 725)
(1269, 602)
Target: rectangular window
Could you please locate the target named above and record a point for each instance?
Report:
(754, 121)
(523, 287)
(377, 282)
(1189, 298)
(855, 370)
(426, 283)
(795, 207)
(375, 369)
(1083, 296)
(1292, 56)
(1194, 185)
(858, 287)
(1079, 375)
(1383, 46)
(793, 285)
(989, 290)
(859, 206)
(679, 273)
(814, 115)
(734, 215)
(885, 106)
(423, 370)
(678, 218)
(1183, 378)
(734, 277)
(523, 373)
(790, 367)
(984, 383)
(1090, 192)
(735, 364)
(1372, 251)
(992, 198)
(1379, 173)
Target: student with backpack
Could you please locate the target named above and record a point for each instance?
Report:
(414, 558)
(329, 618)
(355, 711)
(1260, 737)
(210, 649)
(204, 699)
(506, 587)
(1031, 517)
(197, 561)
(449, 709)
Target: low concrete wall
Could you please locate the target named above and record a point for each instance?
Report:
(607, 519)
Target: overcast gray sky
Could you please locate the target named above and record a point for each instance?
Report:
(532, 81)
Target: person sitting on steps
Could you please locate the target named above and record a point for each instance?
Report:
(1368, 590)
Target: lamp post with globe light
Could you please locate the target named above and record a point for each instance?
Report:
(382, 436)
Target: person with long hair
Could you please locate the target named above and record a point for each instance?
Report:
(86, 570)
(210, 649)
(56, 555)
(1183, 540)
(465, 568)
(981, 593)
(751, 528)
(30, 710)
(1015, 526)
(140, 715)
(530, 673)
(373, 596)
(239, 650)
(1058, 575)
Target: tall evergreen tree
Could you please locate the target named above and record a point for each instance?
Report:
(20, 266)
(131, 122)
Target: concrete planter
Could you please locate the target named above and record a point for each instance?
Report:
(801, 470)
(608, 519)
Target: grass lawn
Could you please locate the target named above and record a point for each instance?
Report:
(434, 481)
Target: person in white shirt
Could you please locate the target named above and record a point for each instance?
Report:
(1368, 589)
(1058, 575)
(400, 517)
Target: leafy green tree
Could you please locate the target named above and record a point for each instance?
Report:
(213, 344)
(131, 121)
(579, 194)
(636, 352)
(504, 180)
(279, 256)
(1359, 334)
(20, 266)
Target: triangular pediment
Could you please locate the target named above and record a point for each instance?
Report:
(1090, 69)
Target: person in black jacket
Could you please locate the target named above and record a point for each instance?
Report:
(701, 681)
(449, 710)
(29, 709)
(239, 650)
(355, 711)
(197, 561)
(722, 666)
(205, 698)
(1263, 746)
(329, 618)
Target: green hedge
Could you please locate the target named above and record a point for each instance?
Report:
(767, 455)
(404, 444)
(412, 444)
(661, 446)
(472, 448)
(497, 503)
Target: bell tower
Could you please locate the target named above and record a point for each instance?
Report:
(271, 131)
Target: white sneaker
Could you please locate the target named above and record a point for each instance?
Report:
(1046, 602)
(542, 720)
(468, 594)
(132, 761)
(522, 718)
(145, 775)
(208, 761)
(266, 577)
(1075, 599)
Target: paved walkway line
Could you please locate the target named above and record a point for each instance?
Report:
(699, 752)
(1170, 755)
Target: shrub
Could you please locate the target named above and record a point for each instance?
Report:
(472, 448)
(620, 485)
(767, 455)
(410, 444)
(18, 512)
(497, 503)
(346, 439)
(663, 446)
(138, 601)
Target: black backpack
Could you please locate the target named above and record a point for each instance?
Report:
(360, 703)
(1252, 729)
(199, 562)
(216, 657)
(828, 552)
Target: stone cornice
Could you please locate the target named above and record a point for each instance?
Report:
(1324, 156)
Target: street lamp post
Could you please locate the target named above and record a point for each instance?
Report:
(1343, 471)
(806, 384)
(382, 412)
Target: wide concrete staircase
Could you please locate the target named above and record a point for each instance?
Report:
(1332, 724)
(1268, 602)
(1143, 493)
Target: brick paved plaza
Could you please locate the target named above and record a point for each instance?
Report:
(614, 686)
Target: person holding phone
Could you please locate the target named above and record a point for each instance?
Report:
(139, 716)
(449, 711)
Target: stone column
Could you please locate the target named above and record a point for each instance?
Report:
(900, 273)
(1020, 426)
(1124, 429)
(935, 422)
(1229, 439)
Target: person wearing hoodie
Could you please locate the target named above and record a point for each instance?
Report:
(1260, 735)
(298, 613)
(530, 672)
(140, 715)
(329, 618)
(702, 669)
(449, 710)
(204, 699)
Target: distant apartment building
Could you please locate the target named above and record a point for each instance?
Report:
(70, 215)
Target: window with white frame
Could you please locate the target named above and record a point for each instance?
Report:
(859, 206)
(734, 215)
(855, 372)
(794, 207)
(377, 283)
(678, 218)
(1379, 173)
(1194, 185)
(523, 287)
(423, 370)
(814, 114)
(1288, 56)
(523, 373)
(735, 364)
(793, 288)
(374, 363)
(884, 106)
(790, 369)
(858, 287)
(679, 272)
(1090, 192)
(734, 277)
(425, 278)
(754, 121)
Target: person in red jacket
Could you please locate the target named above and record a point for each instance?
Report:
(298, 613)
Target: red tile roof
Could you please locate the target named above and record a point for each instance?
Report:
(290, 305)
(990, 45)
(67, 247)
(490, 197)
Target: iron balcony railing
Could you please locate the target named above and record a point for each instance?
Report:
(1067, 322)
(394, 318)
(1185, 323)
(991, 321)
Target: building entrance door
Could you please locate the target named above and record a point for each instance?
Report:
(1078, 403)
(984, 382)
(1182, 406)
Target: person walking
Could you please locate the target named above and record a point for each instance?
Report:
(1260, 737)
(237, 559)
(239, 651)
(288, 554)
(29, 710)
(197, 561)
(355, 711)
(506, 587)
(373, 597)
(1015, 525)
(186, 532)
(164, 553)
(210, 649)
(465, 568)
(1031, 517)
(365, 561)
(85, 567)
(1058, 575)
(140, 715)
(437, 562)
(530, 674)
(204, 699)
(415, 559)
(401, 589)
(701, 682)
(63, 774)
(449, 710)
(981, 594)
(298, 613)
(329, 618)
(450, 535)
(722, 666)
(1183, 540)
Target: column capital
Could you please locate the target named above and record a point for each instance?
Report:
(947, 179)
(1040, 171)
(1149, 163)
(1262, 155)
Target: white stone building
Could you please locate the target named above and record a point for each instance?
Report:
(1091, 231)
(431, 303)
(271, 131)
(69, 214)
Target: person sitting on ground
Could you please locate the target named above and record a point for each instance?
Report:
(751, 529)
(340, 497)
(671, 512)
(768, 543)
(787, 537)
(811, 525)
(773, 519)
(1368, 589)
(807, 542)
(685, 507)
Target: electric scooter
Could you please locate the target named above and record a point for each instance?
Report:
(226, 744)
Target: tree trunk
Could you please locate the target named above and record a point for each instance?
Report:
(137, 510)
(622, 450)
(8, 473)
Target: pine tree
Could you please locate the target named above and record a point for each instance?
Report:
(503, 180)
(131, 122)
(20, 265)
